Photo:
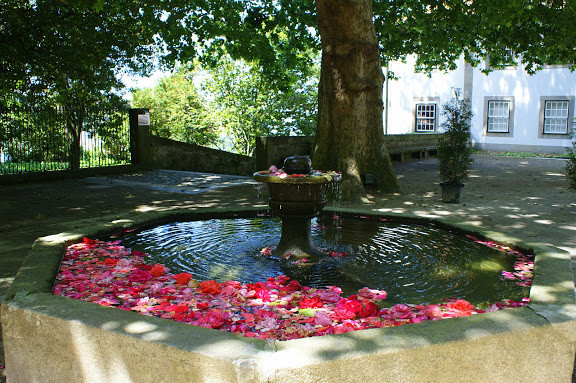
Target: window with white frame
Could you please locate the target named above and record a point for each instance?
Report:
(498, 120)
(556, 116)
(425, 117)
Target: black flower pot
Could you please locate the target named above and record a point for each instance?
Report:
(451, 192)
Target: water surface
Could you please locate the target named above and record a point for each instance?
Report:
(414, 263)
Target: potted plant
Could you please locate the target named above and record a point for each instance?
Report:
(454, 149)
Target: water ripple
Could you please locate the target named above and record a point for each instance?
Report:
(414, 263)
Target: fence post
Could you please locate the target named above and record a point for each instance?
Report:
(140, 136)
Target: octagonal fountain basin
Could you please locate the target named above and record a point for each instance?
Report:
(50, 338)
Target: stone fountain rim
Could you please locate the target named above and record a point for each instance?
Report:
(314, 178)
(552, 305)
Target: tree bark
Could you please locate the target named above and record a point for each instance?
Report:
(349, 134)
(74, 122)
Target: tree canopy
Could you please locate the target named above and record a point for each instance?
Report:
(74, 47)
(69, 50)
(177, 109)
(246, 105)
(278, 34)
(227, 106)
(78, 46)
(440, 32)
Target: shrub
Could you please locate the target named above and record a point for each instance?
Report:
(454, 150)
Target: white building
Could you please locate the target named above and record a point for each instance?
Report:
(513, 111)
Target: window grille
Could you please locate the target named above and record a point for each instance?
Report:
(498, 117)
(556, 117)
(425, 117)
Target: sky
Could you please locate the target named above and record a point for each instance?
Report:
(139, 82)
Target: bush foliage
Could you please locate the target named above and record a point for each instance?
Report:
(454, 150)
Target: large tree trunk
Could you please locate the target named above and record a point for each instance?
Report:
(349, 135)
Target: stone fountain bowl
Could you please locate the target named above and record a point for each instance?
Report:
(300, 193)
(50, 338)
(300, 187)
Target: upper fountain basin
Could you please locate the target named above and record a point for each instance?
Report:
(281, 177)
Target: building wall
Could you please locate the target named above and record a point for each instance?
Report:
(410, 88)
(527, 94)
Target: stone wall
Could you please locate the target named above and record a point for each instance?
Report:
(405, 146)
(158, 152)
(154, 152)
(168, 154)
(273, 150)
(407, 141)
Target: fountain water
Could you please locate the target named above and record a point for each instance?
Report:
(297, 194)
(414, 263)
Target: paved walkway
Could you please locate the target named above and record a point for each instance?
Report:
(525, 198)
(174, 181)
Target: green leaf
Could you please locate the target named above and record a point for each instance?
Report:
(484, 305)
(307, 312)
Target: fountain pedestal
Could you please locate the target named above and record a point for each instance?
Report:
(297, 195)
(296, 205)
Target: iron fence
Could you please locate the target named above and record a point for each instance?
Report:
(45, 139)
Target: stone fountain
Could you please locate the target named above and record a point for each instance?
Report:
(297, 194)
